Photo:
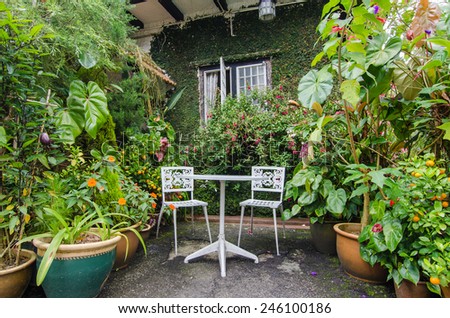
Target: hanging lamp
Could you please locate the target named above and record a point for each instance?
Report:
(266, 10)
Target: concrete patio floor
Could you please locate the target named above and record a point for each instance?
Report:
(300, 271)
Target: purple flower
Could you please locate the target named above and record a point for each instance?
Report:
(377, 228)
(428, 32)
(313, 273)
(376, 9)
(304, 151)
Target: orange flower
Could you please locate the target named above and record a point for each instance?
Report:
(172, 207)
(122, 201)
(92, 182)
(111, 159)
(154, 205)
(153, 195)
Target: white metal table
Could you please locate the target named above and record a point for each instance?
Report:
(221, 245)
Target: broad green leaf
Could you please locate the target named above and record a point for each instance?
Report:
(3, 137)
(377, 177)
(377, 209)
(330, 5)
(409, 271)
(406, 81)
(359, 191)
(444, 43)
(350, 91)
(96, 109)
(336, 201)
(382, 49)
(316, 135)
(393, 233)
(174, 99)
(446, 128)
(87, 60)
(315, 86)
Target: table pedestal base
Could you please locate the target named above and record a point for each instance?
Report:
(221, 247)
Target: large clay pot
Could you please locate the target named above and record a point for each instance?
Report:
(347, 247)
(14, 281)
(126, 248)
(78, 270)
(408, 290)
(324, 237)
(445, 291)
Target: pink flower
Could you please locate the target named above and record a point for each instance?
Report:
(377, 228)
(159, 156)
(336, 29)
(409, 35)
(233, 138)
(257, 141)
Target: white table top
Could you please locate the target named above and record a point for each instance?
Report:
(223, 177)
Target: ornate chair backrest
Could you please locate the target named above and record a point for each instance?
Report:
(172, 180)
(273, 183)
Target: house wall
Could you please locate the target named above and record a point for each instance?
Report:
(288, 40)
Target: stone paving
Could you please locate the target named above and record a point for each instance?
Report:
(300, 271)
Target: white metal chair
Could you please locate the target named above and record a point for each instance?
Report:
(274, 184)
(172, 183)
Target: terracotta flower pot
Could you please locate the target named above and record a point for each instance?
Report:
(14, 281)
(126, 248)
(347, 247)
(445, 291)
(408, 290)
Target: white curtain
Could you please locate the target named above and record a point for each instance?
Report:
(211, 87)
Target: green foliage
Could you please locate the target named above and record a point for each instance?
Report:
(411, 224)
(241, 133)
(25, 116)
(288, 41)
(87, 110)
(128, 106)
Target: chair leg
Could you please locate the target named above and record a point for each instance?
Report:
(251, 219)
(159, 220)
(205, 211)
(240, 225)
(192, 220)
(282, 221)
(175, 230)
(275, 229)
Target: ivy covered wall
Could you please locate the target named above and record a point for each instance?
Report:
(288, 40)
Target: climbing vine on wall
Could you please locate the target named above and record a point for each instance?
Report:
(288, 40)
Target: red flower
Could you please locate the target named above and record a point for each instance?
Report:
(377, 228)
(382, 20)
(409, 35)
(336, 29)
(391, 203)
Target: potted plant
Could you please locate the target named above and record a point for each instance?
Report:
(410, 229)
(318, 193)
(130, 206)
(383, 122)
(78, 237)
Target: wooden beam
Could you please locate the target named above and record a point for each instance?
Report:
(172, 9)
(222, 5)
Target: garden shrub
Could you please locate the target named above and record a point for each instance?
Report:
(249, 131)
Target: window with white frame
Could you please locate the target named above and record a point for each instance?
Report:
(241, 78)
(251, 77)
